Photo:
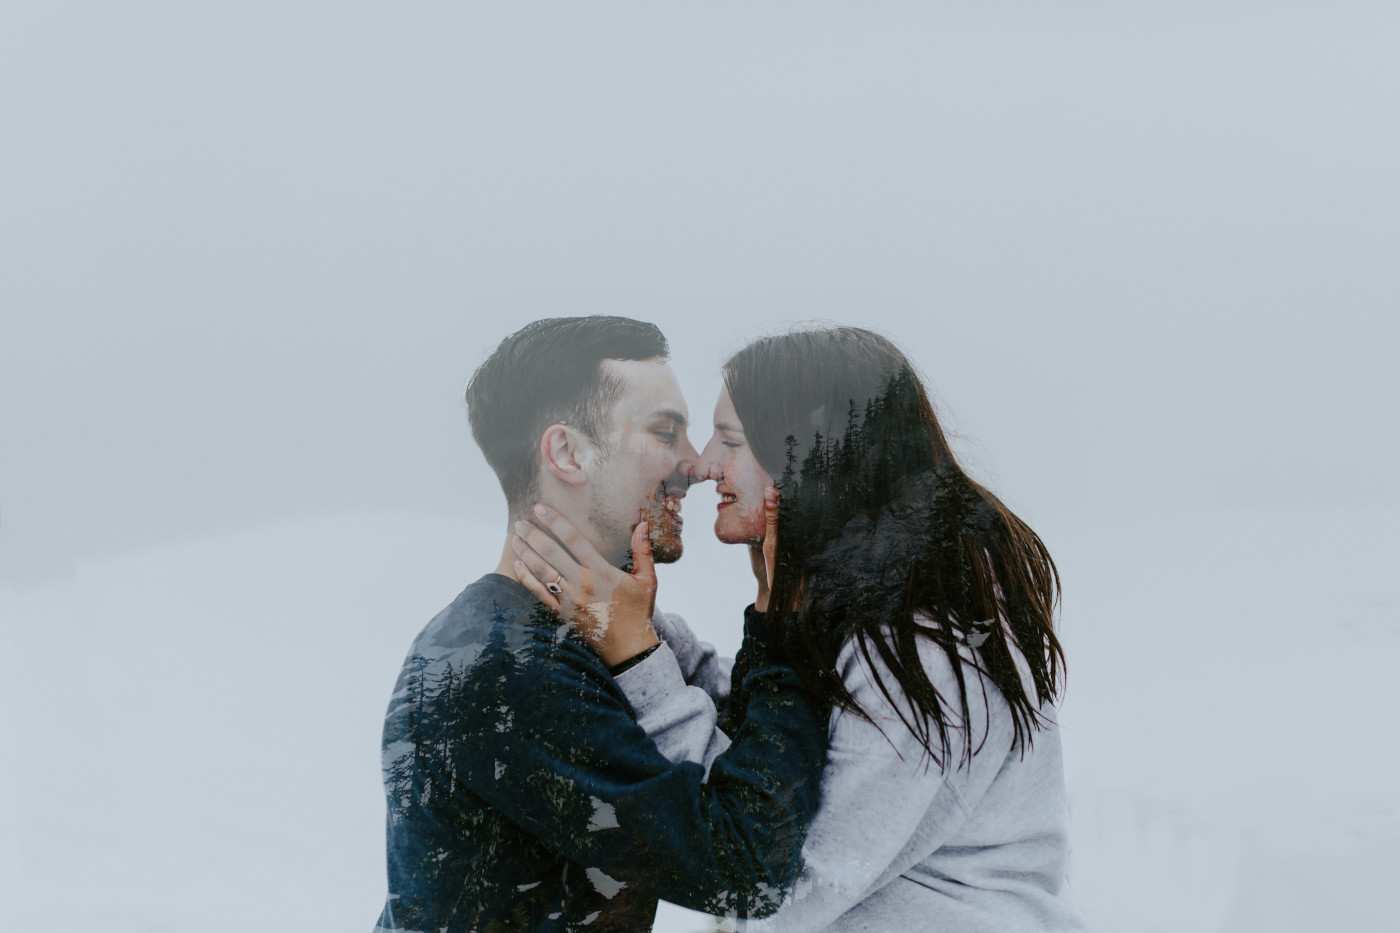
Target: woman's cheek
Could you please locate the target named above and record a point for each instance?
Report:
(753, 524)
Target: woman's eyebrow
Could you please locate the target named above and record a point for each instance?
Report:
(730, 428)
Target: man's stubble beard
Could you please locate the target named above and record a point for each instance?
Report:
(666, 551)
(668, 546)
(663, 530)
(666, 543)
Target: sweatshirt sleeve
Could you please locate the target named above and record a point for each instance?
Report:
(678, 717)
(700, 664)
(557, 750)
(680, 694)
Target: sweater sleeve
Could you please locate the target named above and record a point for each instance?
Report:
(700, 664)
(753, 652)
(559, 753)
(678, 717)
(879, 789)
(680, 698)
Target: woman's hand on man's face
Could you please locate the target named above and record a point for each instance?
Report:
(764, 557)
(609, 609)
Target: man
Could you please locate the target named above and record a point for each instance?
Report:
(523, 792)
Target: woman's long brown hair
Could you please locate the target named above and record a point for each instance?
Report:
(879, 524)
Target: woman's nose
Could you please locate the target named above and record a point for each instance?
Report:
(705, 471)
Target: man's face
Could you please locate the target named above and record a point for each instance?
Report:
(647, 470)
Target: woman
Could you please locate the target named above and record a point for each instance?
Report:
(910, 599)
(920, 607)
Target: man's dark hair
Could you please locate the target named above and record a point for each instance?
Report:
(547, 372)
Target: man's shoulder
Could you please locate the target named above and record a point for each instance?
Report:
(492, 603)
(495, 626)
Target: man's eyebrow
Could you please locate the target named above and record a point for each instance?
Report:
(672, 415)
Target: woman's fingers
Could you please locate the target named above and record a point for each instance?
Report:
(559, 558)
(770, 531)
(643, 564)
(572, 571)
(544, 572)
(570, 537)
(533, 584)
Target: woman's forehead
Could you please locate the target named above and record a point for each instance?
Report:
(726, 418)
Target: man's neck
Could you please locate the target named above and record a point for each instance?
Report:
(506, 567)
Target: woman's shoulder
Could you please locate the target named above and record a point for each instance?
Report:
(953, 668)
(861, 659)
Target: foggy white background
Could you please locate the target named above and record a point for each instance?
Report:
(1145, 254)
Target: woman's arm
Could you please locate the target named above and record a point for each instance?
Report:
(700, 664)
(679, 717)
(675, 686)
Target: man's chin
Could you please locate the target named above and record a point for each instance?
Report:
(667, 550)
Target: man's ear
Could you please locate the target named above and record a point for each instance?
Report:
(566, 454)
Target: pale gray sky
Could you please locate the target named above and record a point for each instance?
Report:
(1145, 253)
(249, 255)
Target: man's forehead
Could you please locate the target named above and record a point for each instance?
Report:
(650, 388)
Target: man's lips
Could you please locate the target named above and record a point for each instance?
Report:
(668, 508)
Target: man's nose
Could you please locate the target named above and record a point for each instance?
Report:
(690, 459)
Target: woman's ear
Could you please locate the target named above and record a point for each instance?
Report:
(566, 454)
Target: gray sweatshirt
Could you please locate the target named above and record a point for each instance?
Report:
(898, 843)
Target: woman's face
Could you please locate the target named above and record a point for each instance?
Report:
(728, 460)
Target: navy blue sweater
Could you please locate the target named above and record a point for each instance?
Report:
(522, 794)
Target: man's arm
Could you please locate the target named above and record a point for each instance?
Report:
(560, 754)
